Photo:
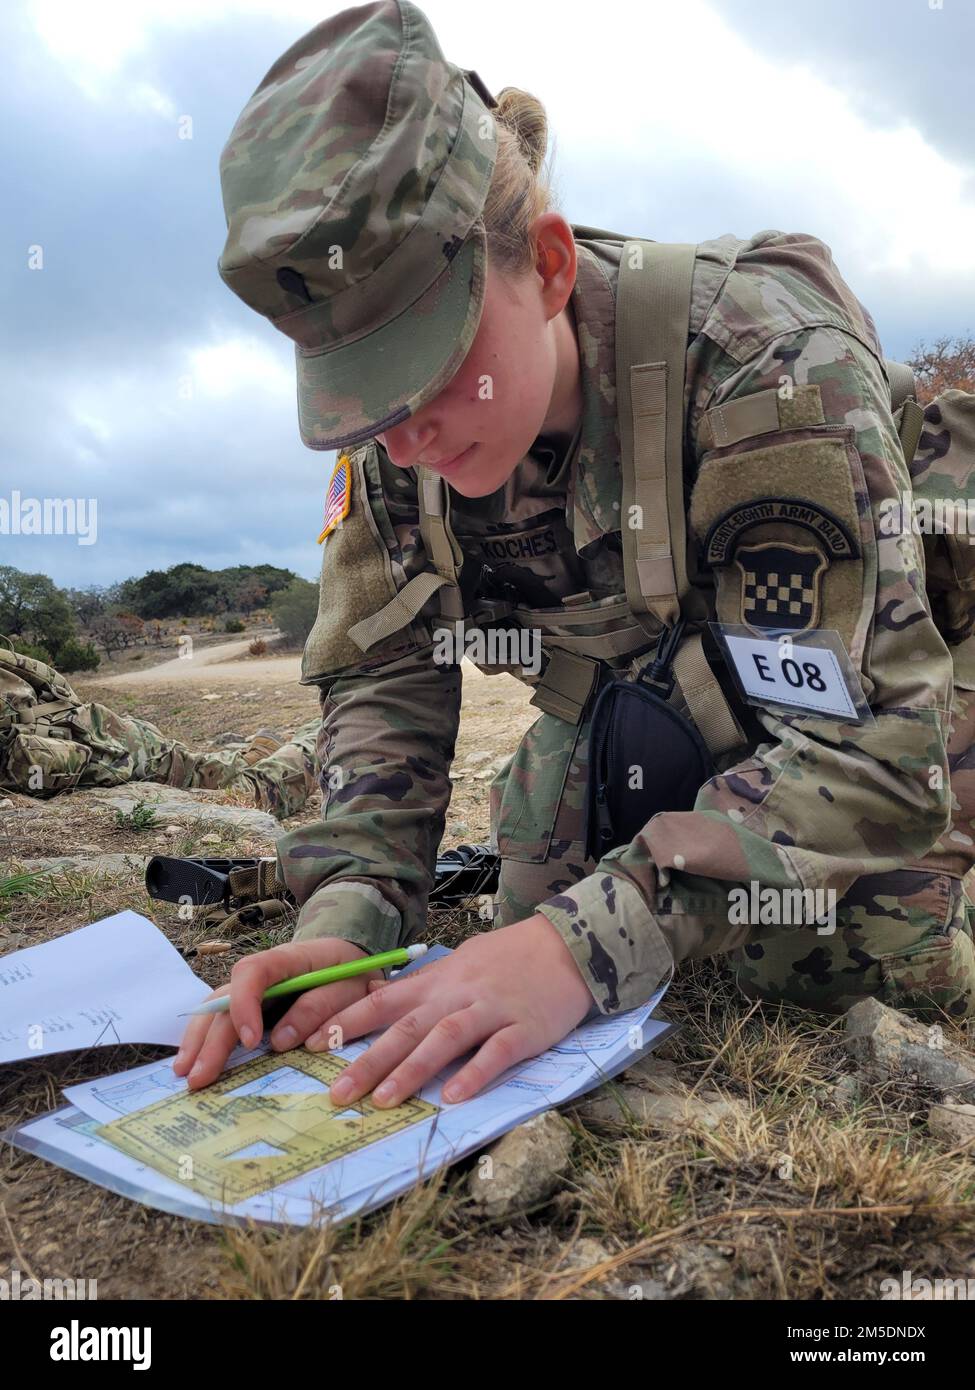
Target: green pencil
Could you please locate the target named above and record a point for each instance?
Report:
(402, 956)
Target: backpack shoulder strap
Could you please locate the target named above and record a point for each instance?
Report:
(447, 557)
(902, 385)
(438, 538)
(908, 415)
(910, 423)
(652, 315)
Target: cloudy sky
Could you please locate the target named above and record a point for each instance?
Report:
(132, 375)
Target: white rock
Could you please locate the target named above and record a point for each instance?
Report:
(186, 805)
(584, 1254)
(650, 1092)
(845, 1093)
(952, 1121)
(525, 1166)
(890, 1045)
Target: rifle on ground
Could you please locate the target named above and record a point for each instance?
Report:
(250, 891)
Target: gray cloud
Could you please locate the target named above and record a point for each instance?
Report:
(894, 59)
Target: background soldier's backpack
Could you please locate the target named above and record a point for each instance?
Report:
(939, 445)
(38, 752)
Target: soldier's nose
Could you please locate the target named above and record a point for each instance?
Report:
(406, 442)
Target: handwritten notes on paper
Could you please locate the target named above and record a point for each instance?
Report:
(116, 981)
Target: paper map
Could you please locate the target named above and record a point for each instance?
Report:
(268, 1121)
(263, 1143)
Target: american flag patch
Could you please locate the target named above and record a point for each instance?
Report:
(339, 495)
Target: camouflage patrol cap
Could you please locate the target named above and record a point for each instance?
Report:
(353, 183)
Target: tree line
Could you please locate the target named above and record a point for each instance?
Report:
(69, 628)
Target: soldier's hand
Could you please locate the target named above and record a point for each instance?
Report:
(510, 993)
(210, 1038)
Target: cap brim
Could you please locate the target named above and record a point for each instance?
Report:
(355, 391)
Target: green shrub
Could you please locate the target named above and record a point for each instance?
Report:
(141, 817)
(39, 653)
(77, 656)
(295, 609)
(28, 885)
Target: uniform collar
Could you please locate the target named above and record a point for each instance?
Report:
(594, 487)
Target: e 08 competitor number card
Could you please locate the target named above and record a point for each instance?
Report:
(809, 674)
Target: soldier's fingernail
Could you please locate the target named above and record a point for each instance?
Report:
(285, 1037)
(384, 1092)
(247, 1036)
(315, 1042)
(343, 1088)
(450, 1092)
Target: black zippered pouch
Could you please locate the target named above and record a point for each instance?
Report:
(636, 736)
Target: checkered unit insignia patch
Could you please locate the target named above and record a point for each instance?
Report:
(780, 585)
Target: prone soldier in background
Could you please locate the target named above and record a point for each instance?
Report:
(52, 741)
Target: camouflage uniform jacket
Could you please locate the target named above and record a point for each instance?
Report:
(807, 802)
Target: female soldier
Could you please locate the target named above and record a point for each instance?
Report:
(388, 216)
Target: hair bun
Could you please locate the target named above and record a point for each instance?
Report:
(525, 115)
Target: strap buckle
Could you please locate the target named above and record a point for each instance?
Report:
(659, 673)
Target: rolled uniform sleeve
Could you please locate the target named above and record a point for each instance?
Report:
(821, 802)
(390, 717)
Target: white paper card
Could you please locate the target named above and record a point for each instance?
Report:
(807, 676)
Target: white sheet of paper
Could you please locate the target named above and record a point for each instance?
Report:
(370, 1176)
(116, 981)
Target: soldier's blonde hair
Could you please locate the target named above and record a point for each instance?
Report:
(519, 191)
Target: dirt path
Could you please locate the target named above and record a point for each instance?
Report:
(227, 664)
(212, 665)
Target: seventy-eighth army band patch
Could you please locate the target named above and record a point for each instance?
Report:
(793, 559)
(780, 582)
(338, 498)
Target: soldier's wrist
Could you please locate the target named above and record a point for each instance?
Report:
(622, 954)
(351, 911)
